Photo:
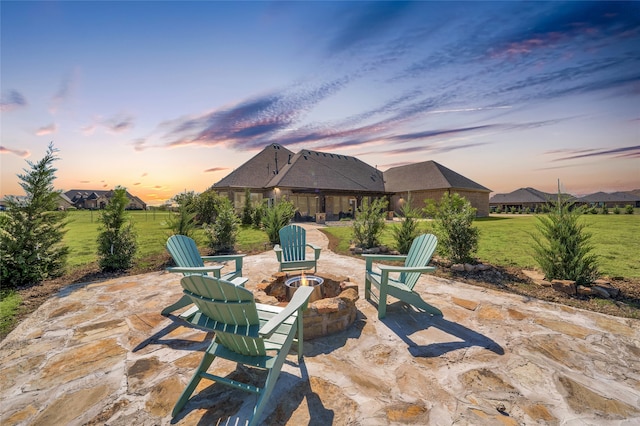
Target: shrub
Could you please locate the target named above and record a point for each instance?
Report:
(628, 209)
(223, 233)
(616, 210)
(31, 230)
(182, 222)
(458, 239)
(206, 207)
(369, 222)
(247, 210)
(277, 217)
(498, 209)
(408, 229)
(562, 246)
(605, 210)
(117, 245)
(258, 214)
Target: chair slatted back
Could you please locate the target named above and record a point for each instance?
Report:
(419, 255)
(184, 251)
(230, 311)
(293, 240)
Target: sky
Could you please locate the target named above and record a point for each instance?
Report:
(163, 97)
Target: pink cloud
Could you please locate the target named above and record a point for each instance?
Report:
(18, 152)
(47, 130)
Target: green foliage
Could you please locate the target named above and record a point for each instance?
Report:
(616, 209)
(562, 247)
(9, 305)
(247, 210)
(457, 238)
(206, 207)
(182, 222)
(605, 210)
(259, 213)
(276, 218)
(408, 229)
(32, 231)
(223, 233)
(628, 209)
(369, 222)
(117, 245)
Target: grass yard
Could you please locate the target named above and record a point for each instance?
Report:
(506, 240)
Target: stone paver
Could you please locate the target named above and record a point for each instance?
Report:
(100, 353)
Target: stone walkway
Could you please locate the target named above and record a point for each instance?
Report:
(100, 353)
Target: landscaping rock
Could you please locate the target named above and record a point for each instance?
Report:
(565, 286)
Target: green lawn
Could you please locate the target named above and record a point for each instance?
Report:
(506, 240)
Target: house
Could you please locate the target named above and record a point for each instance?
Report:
(431, 180)
(332, 186)
(95, 199)
(610, 200)
(521, 199)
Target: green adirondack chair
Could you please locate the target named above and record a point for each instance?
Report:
(401, 287)
(246, 332)
(292, 250)
(186, 256)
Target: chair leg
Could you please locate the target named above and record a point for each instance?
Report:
(382, 302)
(270, 383)
(300, 322)
(207, 359)
(184, 301)
(367, 288)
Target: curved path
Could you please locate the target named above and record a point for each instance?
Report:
(100, 353)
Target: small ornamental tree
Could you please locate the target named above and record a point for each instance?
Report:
(31, 232)
(562, 247)
(369, 223)
(408, 229)
(277, 217)
(247, 209)
(117, 244)
(182, 222)
(223, 233)
(457, 237)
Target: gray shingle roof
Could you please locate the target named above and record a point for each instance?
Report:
(425, 176)
(522, 195)
(615, 197)
(259, 170)
(321, 170)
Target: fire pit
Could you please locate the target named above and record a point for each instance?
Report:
(332, 306)
(305, 280)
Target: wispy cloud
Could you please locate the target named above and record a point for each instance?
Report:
(64, 92)
(621, 152)
(47, 130)
(19, 152)
(12, 100)
(216, 169)
(119, 123)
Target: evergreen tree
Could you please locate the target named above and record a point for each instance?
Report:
(408, 229)
(369, 222)
(223, 233)
(117, 245)
(457, 237)
(562, 247)
(31, 247)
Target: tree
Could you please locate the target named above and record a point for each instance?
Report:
(223, 233)
(277, 217)
(457, 237)
(117, 244)
(31, 247)
(408, 229)
(369, 222)
(562, 247)
(247, 210)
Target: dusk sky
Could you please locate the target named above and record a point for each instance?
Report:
(162, 97)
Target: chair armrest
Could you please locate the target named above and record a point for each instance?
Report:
(278, 251)
(224, 258)
(390, 268)
(196, 269)
(369, 258)
(298, 302)
(316, 250)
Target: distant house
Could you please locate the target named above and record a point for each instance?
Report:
(610, 200)
(334, 185)
(520, 199)
(97, 199)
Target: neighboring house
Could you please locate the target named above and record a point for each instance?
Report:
(333, 186)
(603, 199)
(521, 199)
(64, 202)
(96, 199)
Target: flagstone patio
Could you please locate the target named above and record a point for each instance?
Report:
(101, 353)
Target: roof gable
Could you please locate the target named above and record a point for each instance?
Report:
(523, 195)
(321, 170)
(259, 170)
(425, 176)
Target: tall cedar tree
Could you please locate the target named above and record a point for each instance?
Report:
(32, 231)
(458, 238)
(117, 245)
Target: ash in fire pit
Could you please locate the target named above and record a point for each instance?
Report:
(333, 310)
(302, 281)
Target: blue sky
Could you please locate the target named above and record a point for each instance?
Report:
(162, 97)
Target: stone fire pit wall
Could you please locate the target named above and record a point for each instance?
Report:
(333, 313)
